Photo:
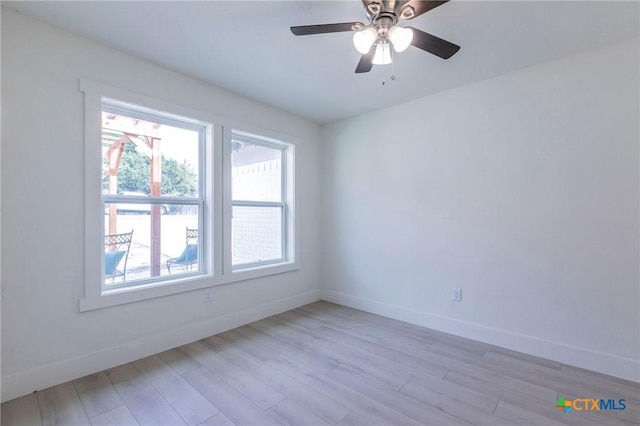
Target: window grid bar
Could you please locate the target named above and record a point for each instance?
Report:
(244, 203)
(116, 199)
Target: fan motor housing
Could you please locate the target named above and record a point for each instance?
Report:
(385, 20)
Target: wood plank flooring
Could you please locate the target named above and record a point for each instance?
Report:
(325, 364)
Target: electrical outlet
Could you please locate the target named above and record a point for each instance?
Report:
(207, 296)
(456, 294)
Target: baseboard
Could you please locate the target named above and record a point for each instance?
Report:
(625, 368)
(42, 377)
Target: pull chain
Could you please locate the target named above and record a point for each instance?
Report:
(393, 73)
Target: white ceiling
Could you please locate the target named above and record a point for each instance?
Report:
(246, 46)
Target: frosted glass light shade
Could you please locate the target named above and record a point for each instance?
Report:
(382, 55)
(363, 39)
(400, 38)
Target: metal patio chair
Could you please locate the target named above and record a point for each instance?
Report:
(189, 256)
(116, 248)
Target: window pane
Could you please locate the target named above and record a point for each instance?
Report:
(174, 252)
(256, 234)
(146, 158)
(256, 173)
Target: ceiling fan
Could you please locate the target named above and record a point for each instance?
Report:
(373, 40)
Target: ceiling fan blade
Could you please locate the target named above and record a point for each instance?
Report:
(366, 61)
(324, 28)
(433, 44)
(421, 6)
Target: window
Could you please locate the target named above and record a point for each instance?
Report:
(152, 195)
(258, 188)
(175, 203)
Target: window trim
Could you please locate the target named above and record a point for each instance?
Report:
(215, 215)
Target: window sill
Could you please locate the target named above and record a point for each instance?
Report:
(259, 271)
(166, 288)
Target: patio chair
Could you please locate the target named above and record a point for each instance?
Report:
(189, 256)
(116, 248)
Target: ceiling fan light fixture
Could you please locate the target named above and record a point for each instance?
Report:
(363, 39)
(381, 32)
(382, 55)
(400, 38)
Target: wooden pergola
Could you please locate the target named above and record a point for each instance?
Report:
(146, 138)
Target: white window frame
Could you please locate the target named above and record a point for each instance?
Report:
(215, 215)
(161, 117)
(286, 197)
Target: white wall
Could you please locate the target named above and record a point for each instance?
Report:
(45, 340)
(522, 190)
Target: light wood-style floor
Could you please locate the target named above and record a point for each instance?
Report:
(327, 364)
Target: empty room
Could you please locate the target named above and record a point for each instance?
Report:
(358, 212)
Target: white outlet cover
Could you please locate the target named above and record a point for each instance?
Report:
(456, 294)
